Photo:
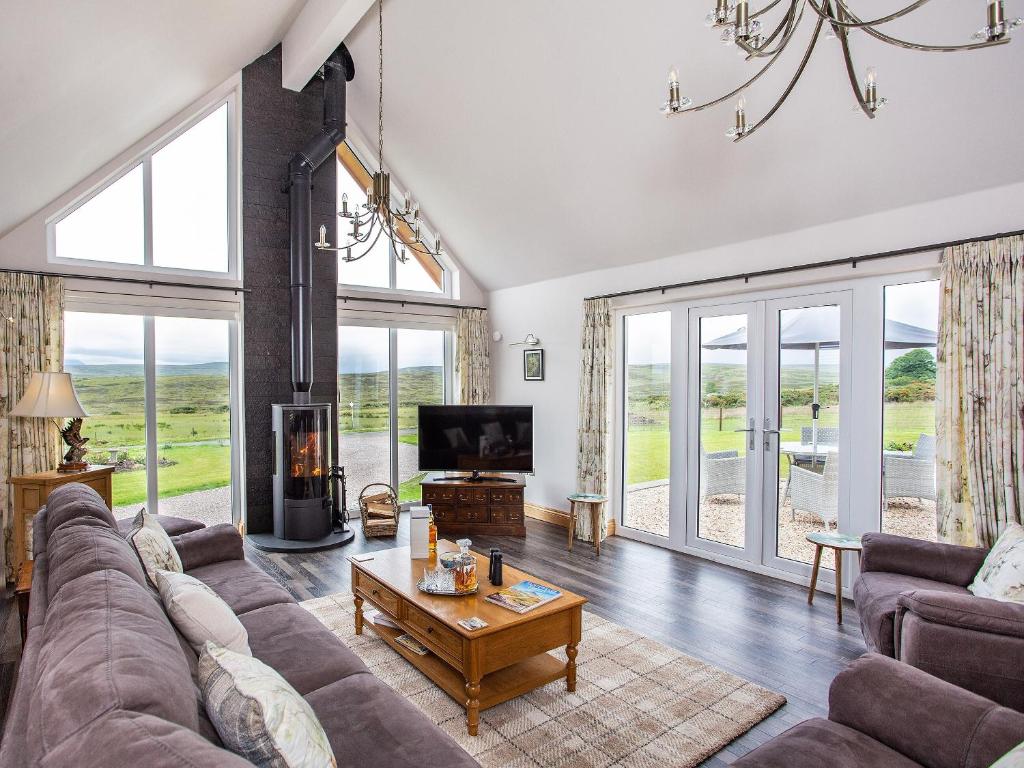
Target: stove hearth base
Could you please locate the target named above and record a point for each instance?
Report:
(268, 542)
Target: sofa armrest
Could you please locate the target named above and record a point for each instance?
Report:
(209, 545)
(966, 611)
(947, 563)
(932, 722)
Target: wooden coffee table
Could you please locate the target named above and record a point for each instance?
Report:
(477, 669)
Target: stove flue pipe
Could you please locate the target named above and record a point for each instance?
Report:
(338, 70)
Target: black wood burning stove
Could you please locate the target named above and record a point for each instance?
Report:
(302, 493)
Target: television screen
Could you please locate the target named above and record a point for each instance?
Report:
(467, 438)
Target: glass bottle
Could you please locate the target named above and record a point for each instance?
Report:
(431, 535)
(465, 568)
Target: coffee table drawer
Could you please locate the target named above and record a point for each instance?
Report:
(377, 593)
(437, 635)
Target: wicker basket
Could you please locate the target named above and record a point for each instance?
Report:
(379, 510)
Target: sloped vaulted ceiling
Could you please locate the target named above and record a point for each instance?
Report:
(530, 132)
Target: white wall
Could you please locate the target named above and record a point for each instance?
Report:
(553, 309)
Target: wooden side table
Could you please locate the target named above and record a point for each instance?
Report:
(22, 590)
(838, 543)
(30, 492)
(595, 502)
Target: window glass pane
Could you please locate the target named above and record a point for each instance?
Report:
(190, 198)
(908, 410)
(193, 418)
(108, 227)
(808, 445)
(420, 382)
(364, 412)
(419, 273)
(648, 405)
(373, 269)
(104, 355)
(722, 496)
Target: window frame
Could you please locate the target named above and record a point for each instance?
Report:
(447, 267)
(144, 158)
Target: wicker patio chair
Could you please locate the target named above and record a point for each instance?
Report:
(826, 435)
(817, 494)
(379, 510)
(722, 472)
(910, 477)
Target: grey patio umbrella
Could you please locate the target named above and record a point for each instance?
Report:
(814, 329)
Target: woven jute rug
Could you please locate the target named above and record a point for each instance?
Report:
(638, 703)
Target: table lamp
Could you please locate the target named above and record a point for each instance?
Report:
(53, 396)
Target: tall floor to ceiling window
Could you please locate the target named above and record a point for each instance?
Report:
(158, 393)
(908, 409)
(384, 375)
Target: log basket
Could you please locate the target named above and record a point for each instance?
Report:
(379, 510)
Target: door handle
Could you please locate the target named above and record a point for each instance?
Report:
(750, 431)
(768, 432)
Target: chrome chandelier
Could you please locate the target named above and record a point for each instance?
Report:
(376, 217)
(746, 29)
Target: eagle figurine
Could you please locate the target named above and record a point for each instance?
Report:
(72, 434)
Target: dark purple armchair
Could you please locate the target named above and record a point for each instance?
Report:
(914, 606)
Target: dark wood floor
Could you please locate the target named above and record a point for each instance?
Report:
(752, 625)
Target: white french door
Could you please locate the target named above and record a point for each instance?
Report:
(745, 458)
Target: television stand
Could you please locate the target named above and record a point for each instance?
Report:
(476, 504)
(475, 477)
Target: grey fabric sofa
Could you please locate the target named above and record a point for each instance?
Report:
(884, 714)
(106, 680)
(914, 606)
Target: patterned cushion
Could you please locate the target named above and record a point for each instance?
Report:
(1002, 574)
(199, 614)
(258, 715)
(153, 546)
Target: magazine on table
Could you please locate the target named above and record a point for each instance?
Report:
(524, 596)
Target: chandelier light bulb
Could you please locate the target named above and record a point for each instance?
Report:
(741, 103)
(673, 76)
(675, 102)
(871, 77)
(344, 204)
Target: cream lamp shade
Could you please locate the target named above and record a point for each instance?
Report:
(50, 395)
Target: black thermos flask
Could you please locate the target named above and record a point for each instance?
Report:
(495, 567)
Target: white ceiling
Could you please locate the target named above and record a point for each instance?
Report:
(80, 82)
(530, 130)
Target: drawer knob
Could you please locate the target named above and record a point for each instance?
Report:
(376, 592)
(429, 630)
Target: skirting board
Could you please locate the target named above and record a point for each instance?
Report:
(556, 516)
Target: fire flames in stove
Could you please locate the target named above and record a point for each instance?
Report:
(306, 456)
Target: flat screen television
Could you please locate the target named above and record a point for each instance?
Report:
(476, 438)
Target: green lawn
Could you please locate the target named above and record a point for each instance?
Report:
(197, 468)
(647, 445)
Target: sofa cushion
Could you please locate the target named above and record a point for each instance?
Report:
(153, 546)
(1001, 576)
(75, 550)
(106, 644)
(174, 526)
(199, 614)
(286, 636)
(369, 724)
(242, 585)
(122, 739)
(258, 715)
(875, 594)
(78, 504)
(818, 742)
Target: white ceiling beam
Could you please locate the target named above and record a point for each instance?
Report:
(318, 29)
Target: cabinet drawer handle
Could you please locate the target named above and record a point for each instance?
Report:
(376, 592)
(429, 630)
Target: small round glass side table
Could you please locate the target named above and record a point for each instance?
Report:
(595, 502)
(838, 543)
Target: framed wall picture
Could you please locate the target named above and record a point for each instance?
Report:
(533, 364)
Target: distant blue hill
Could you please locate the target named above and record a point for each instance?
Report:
(77, 368)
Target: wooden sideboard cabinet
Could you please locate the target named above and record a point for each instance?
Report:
(485, 507)
(31, 491)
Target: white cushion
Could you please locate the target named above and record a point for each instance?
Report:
(199, 613)
(258, 715)
(153, 546)
(1001, 576)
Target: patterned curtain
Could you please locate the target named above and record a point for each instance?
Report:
(31, 336)
(473, 356)
(594, 430)
(980, 396)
